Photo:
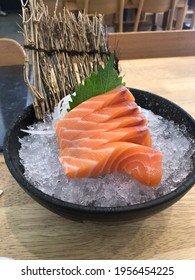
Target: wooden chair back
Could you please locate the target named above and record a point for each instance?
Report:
(105, 7)
(11, 52)
(135, 45)
(152, 6)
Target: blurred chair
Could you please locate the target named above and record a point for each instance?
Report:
(11, 52)
(133, 46)
(180, 13)
(138, 45)
(192, 25)
(105, 7)
(186, 14)
(154, 7)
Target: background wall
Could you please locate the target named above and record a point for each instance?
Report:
(10, 5)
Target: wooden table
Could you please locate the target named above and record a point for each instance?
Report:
(29, 231)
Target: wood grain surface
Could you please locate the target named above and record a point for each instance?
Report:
(11, 52)
(136, 45)
(29, 231)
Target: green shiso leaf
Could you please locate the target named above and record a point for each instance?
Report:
(98, 83)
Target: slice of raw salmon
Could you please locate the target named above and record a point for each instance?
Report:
(105, 134)
(141, 162)
(92, 138)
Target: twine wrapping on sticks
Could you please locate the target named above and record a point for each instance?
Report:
(62, 49)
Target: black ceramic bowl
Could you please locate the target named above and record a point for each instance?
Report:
(146, 100)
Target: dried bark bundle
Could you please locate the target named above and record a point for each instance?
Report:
(62, 50)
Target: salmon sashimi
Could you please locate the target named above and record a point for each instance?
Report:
(113, 111)
(114, 96)
(92, 139)
(141, 162)
(76, 123)
(71, 129)
(106, 134)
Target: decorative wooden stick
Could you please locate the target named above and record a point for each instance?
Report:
(62, 49)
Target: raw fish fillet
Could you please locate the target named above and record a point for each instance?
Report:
(106, 134)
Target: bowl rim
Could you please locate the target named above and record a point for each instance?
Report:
(185, 186)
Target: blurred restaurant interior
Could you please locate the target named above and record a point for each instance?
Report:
(155, 40)
(119, 15)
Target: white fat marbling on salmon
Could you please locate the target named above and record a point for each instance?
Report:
(105, 134)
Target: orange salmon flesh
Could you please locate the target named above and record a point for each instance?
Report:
(105, 134)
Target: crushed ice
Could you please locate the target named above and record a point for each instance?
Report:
(39, 156)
